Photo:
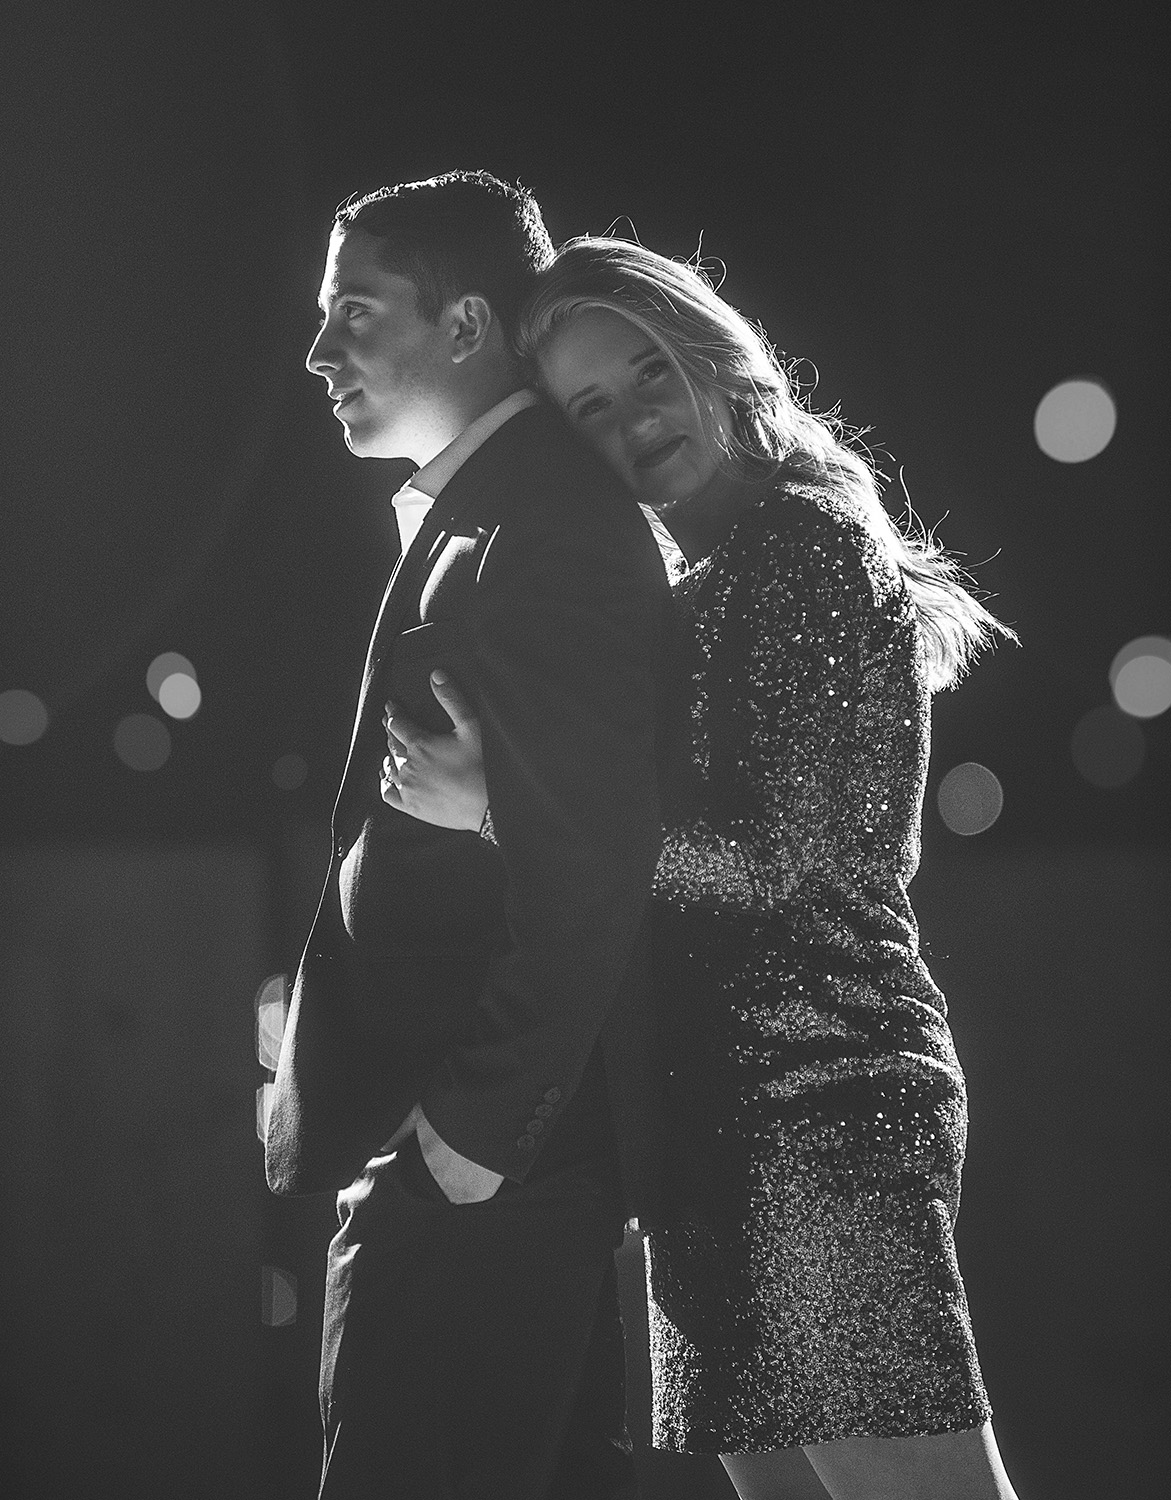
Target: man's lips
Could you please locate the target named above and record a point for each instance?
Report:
(651, 458)
(342, 398)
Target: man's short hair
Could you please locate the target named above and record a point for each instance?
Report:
(459, 233)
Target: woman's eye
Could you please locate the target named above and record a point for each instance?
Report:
(654, 368)
(589, 408)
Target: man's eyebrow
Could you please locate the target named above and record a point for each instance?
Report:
(350, 289)
(634, 360)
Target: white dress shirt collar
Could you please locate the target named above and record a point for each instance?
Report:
(413, 501)
(431, 478)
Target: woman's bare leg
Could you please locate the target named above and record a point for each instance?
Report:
(947, 1466)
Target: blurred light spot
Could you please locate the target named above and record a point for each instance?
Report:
(1141, 677)
(142, 742)
(263, 1110)
(970, 798)
(272, 1006)
(1143, 687)
(179, 695)
(290, 771)
(1108, 747)
(165, 666)
(1075, 421)
(23, 717)
(278, 1297)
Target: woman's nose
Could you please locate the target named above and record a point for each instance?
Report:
(641, 419)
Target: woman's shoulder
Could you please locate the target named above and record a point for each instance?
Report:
(803, 530)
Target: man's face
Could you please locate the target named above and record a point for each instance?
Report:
(389, 371)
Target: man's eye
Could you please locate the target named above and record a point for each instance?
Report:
(352, 309)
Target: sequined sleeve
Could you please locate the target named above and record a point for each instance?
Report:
(781, 617)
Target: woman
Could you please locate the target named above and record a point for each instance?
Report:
(805, 1293)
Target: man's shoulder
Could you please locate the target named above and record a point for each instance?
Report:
(535, 461)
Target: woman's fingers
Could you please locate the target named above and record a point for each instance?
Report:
(405, 731)
(388, 786)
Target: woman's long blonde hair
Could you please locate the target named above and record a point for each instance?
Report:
(774, 435)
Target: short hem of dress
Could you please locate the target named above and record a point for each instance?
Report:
(777, 1444)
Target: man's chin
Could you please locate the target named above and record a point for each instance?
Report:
(361, 445)
(369, 445)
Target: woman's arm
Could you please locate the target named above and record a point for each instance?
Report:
(775, 721)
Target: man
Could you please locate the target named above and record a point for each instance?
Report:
(466, 1056)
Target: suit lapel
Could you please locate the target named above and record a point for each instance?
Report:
(469, 488)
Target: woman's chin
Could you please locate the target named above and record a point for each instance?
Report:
(663, 499)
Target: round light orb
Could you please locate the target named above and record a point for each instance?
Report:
(179, 695)
(1140, 677)
(142, 742)
(23, 717)
(1107, 747)
(1075, 421)
(165, 666)
(970, 798)
(289, 772)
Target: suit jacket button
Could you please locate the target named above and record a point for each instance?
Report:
(552, 1096)
(534, 1127)
(526, 1143)
(543, 1111)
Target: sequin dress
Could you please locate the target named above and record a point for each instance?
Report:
(804, 1287)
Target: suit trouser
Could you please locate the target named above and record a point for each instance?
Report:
(474, 1350)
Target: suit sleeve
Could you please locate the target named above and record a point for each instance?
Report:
(567, 637)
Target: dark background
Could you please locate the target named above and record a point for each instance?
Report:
(944, 210)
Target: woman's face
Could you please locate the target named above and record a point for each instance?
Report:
(621, 393)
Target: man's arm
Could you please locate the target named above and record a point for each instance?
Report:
(566, 641)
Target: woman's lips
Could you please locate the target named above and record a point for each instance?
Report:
(656, 456)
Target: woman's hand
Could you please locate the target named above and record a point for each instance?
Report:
(437, 778)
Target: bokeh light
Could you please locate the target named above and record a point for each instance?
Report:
(1108, 747)
(179, 695)
(278, 1297)
(272, 1006)
(1075, 421)
(23, 717)
(164, 666)
(1140, 676)
(142, 742)
(290, 771)
(970, 798)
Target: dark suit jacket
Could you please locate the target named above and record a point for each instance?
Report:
(479, 978)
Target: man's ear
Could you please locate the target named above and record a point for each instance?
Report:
(471, 321)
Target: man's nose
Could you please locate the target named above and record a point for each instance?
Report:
(322, 358)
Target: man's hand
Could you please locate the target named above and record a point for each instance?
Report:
(437, 778)
(462, 1181)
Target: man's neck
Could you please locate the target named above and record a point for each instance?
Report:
(434, 474)
(479, 396)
